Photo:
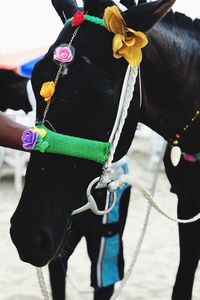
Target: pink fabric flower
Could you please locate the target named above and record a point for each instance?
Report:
(63, 54)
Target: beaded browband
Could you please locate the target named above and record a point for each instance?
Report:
(80, 17)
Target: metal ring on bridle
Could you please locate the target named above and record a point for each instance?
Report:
(92, 202)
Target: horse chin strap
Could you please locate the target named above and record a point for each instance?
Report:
(104, 180)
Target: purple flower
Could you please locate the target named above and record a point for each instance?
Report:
(63, 54)
(29, 139)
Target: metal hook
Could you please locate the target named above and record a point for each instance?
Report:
(92, 203)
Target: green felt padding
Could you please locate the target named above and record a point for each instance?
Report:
(72, 146)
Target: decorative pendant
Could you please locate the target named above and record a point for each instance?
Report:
(175, 155)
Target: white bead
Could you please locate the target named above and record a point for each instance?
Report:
(175, 155)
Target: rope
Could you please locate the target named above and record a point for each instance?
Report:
(89, 18)
(124, 103)
(133, 72)
(153, 204)
(134, 257)
(42, 284)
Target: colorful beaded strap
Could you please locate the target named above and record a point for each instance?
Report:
(176, 152)
(80, 18)
(191, 157)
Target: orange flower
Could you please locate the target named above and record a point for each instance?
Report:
(127, 42)
(47, 90)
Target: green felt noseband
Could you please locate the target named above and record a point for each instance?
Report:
(44, 140)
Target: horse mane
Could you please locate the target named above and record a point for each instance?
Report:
(181, 20)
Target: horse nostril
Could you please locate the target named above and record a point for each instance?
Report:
(35, 248)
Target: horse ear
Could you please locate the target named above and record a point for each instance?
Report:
(143, 17)
(65, 8)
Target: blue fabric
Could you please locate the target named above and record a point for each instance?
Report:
(113, 216)
(110, 272)
(27, 68)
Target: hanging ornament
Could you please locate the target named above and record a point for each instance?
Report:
(64, 54)
(175, 155)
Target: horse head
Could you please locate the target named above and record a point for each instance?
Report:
(84, 104)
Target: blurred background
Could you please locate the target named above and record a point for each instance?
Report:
(32, 24)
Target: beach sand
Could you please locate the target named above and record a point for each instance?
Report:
(154, 273)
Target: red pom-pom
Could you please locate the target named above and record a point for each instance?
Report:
(78, 18)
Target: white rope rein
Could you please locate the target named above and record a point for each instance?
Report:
(124, 103)
(42, 284)
(105, 180)
(134, 257)
(148, 196)
(153, 204)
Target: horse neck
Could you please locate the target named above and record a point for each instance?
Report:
(170, 79)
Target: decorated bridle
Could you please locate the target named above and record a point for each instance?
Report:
(127, 43)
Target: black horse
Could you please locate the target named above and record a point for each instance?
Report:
(100, 232)
(170, 101)
(15, 89)
(168, 113)
(84, 105)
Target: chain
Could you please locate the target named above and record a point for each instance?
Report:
(58, 75)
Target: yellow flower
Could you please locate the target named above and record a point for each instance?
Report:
(113, 20)
(47, 90)
(127, 42)
(41, 131)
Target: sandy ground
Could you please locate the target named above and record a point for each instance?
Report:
(154, 272)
